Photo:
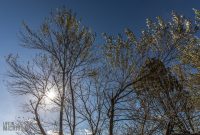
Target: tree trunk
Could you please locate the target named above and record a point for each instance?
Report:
(62, 106)
(73, 108)
(112, 112)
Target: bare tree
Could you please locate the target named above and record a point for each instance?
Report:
(123, 61)
(66, 44)
(92, 102)
(34, 84)
(165, 96)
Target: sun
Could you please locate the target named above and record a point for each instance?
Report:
(50, 96)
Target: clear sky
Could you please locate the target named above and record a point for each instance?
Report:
(110, 16)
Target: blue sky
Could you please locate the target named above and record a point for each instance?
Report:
(110, 16)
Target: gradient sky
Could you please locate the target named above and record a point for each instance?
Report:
(110, 16)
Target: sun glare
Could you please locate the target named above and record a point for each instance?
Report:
(50, 95)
